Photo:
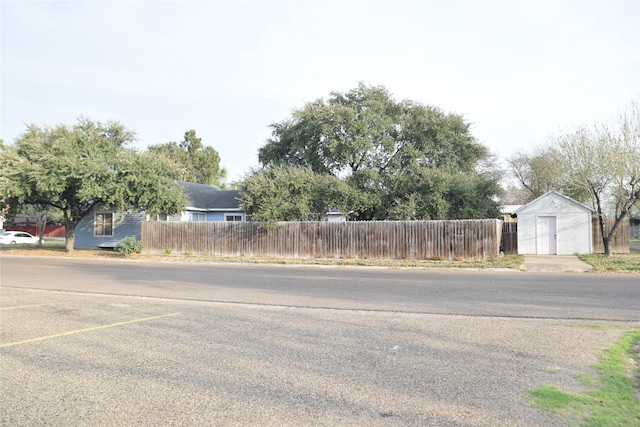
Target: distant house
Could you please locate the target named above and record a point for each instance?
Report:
(104, 228)
(209, 203)
(554, 224)
(507, 210)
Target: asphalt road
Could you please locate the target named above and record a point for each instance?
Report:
(614, 297)
(86, 342)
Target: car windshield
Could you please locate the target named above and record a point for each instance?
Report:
(5, 233)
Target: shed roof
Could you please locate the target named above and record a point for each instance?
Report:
(547, 195)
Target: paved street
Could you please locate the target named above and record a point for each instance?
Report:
(104, 343)
(479, 293)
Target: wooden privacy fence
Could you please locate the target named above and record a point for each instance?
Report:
(509, 238)
(414, 240)
(619, 243)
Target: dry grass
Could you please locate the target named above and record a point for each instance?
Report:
(57, 249)
(615, 262)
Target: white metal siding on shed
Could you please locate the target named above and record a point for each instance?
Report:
(554, 224)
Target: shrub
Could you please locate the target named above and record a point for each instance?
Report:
(130, 245)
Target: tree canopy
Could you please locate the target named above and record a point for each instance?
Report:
(198, 163)
(294, 194)
(76, 168)
(394, 160)
(540, 171)
(604, 162)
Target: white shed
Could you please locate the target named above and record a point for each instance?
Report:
(554, 224)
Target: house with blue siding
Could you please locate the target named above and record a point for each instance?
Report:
(105, 227)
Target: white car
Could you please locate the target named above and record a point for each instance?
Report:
(17, 237)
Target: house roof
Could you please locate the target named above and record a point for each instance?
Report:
(210, 198)
(546, 195)
(507, 209)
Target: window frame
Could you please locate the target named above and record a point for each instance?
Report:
(162, 217)
(233, 215)
(199, 215)
(104, 215)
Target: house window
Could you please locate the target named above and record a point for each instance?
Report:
(233, 217)
(103, 224)
(159, 217)
(198, 216)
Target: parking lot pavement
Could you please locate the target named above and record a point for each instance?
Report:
(83, 359)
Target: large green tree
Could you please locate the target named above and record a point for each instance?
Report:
(400, 160)
(198, 163)
(76, 168)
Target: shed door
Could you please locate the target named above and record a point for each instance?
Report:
(546, 235)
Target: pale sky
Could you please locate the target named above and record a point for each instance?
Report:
(518, 71)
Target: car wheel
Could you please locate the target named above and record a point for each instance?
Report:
(13, 243)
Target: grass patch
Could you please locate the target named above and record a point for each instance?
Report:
(511, 262)
(615, 262)
(56, 248)
(52, 245)
(612, 400)
(550, 398)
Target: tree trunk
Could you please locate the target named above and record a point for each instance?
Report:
(42, 224)
(607, 240)
(70, 233)
(605, 243)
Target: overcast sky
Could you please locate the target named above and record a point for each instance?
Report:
(518, 71)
